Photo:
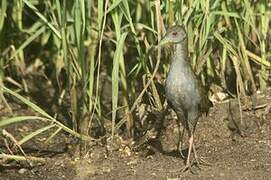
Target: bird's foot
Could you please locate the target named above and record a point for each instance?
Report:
(199, 162)
(188, 168)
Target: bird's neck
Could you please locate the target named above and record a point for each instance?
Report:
(180, 55)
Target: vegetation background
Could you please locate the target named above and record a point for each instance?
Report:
(87, 66)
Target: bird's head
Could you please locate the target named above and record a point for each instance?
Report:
(174, 35)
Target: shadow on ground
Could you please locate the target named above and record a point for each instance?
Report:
(231, 155)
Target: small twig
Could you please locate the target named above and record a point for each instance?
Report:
(20, 158)
(240, 89)
(203, 60)
(12, 138)
(157, 5)
(99, 59)
(7, 146)
(138, 99)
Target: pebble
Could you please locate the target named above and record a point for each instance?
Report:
(22, 171)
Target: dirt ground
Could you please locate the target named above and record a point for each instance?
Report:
(218, 141)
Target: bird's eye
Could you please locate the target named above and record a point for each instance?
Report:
(174, 33)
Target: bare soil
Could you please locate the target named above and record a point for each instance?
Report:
(239, 151)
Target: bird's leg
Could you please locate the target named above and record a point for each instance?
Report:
(190, 141)
(180, 139)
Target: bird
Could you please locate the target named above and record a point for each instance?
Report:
(183, 90)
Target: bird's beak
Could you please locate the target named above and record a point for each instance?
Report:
(162, 42)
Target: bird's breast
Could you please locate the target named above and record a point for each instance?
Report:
(182, 87)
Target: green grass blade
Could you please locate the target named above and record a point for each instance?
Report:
(7, 121)
(28, 41)
(36, 11)
(35, 133)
